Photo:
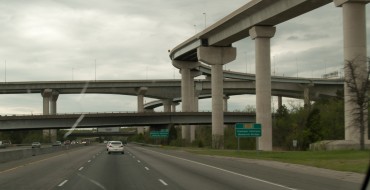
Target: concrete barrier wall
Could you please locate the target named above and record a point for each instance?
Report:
(8, 156)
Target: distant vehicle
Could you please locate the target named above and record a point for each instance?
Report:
(2, 145)
(73, 142)
(36, 145)
(85, 141)
(67, 142)
(115, 146)
(105, 142)
(57, 143)
(5, 143)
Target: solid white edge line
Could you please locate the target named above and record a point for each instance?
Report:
(61, 184)
(214, 167)
(164, 183)
(81, 168)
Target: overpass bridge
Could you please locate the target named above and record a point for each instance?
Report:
(236, 84)
(100, 120)
(257, 20)
(101, 134)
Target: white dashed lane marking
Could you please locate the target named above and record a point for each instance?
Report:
(81, 169)
(64, 182)
(164, 183)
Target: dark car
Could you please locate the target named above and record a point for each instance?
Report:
(57, 143)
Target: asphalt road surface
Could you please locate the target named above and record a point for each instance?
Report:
(90, 168)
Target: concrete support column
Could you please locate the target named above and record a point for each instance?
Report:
(226, 98)
(46, 95)
(53, 102)
(306, 97)
(167, 105)
(354, 42)
(53, 111)
(140, 99)
(217, 57)
(187, 86)
(197, 91)
(173, 106)
(280, 102)
(262, 35)
(140, 105)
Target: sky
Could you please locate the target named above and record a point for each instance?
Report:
(60, 40)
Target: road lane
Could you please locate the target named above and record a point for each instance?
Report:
(163, 159)
(117, 171)
(191, 175)
(153, 168)
(46, 171)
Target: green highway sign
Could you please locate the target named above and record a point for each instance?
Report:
(163, 133)
(248, 130)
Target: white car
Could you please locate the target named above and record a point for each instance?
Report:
(115, 146)
(108, 143)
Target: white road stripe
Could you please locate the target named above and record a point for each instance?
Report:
(89, 161)
(231, 172)
(138, 161)
(146, 168)
(164, 183)
(61, 184)
(81, 168)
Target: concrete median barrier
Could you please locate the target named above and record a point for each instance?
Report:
(8, 156)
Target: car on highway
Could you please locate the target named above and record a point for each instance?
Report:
(57, 143)
(5, 143)
(115, 146)
(67, 142)
(36, 145)
(108, 142)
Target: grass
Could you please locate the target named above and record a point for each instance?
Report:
(343, 160)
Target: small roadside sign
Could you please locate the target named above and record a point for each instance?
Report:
(248, 130)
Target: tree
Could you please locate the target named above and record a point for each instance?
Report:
(312, 131)
(357, 81)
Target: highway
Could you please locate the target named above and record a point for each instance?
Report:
(90, 167)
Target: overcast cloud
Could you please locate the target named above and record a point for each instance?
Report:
(50, 40)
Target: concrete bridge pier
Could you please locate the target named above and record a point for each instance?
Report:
(197, 91)
(217, 57)
(53, 111)
(167, 105)
(53, 102)
(354, 43)
(173, 106)
(140, 106)
(306, 96)
(280, 102)
(262, 35)
(46, 95)
(226, 98)
(140, 99)
(187, 91)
